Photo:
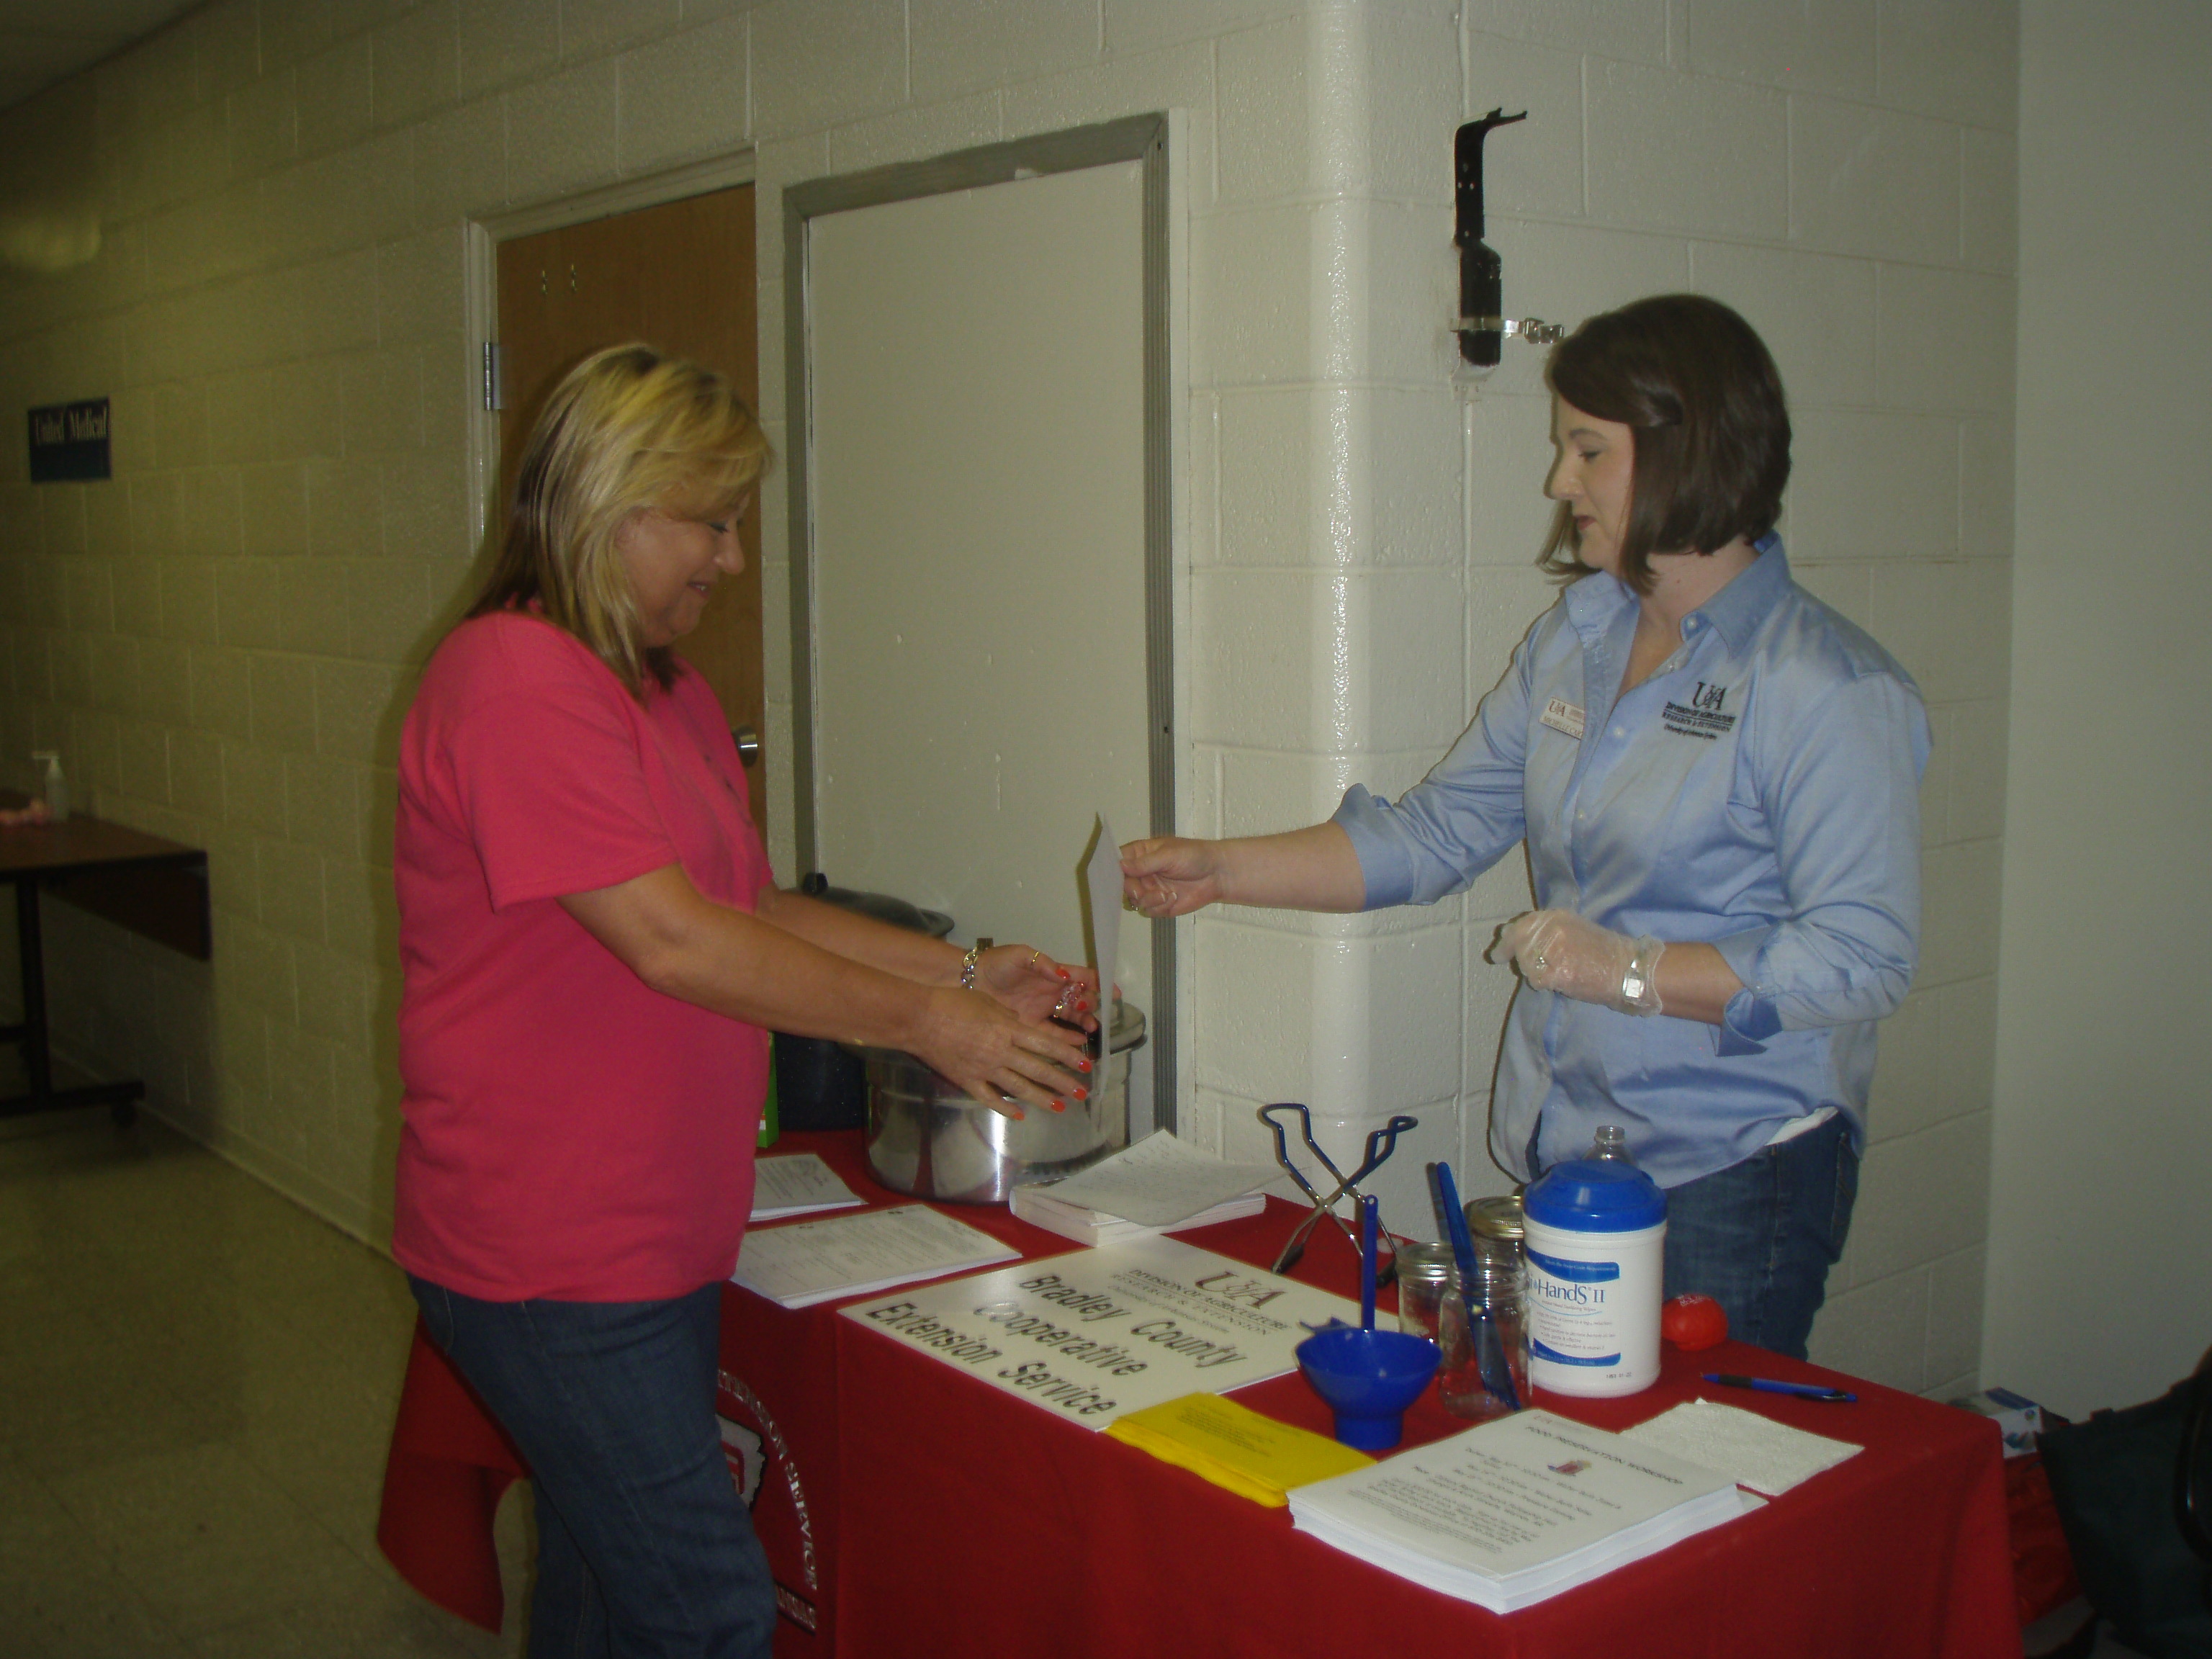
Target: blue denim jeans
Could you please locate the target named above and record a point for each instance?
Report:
(644, 1547)
(1760, 1237)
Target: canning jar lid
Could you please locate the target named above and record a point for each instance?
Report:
(1495, 1218)
(1426, 1262)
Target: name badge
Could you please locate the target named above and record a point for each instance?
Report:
(1562, 716)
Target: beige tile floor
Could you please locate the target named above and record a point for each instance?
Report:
(197, 1381)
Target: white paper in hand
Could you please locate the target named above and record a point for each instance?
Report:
(1102, 882)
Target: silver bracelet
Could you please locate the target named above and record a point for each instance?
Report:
(1639, 981)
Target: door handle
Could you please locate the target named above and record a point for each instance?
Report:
(747, 742)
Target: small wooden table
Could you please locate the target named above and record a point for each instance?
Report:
(156, 888)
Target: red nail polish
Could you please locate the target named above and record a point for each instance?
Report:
(1019, 1114)
(1063, 973)
(1083, 1094)
(1082, 1007)
(1061, 1105)
(1083, 1065)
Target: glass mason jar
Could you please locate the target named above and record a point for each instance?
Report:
(1481, 1358)
(1426, 1272)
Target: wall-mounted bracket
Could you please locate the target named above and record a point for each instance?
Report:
(1482, 325)
(1534, 330)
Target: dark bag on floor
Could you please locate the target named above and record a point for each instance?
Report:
(2122, 1487)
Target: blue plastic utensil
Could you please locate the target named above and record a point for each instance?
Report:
(1490, 1362)
(1369, 1211)
(1368, 1378)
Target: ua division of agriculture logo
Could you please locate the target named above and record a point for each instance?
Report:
(1702, 716)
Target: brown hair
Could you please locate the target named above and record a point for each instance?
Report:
(626, 430)
(1697, 387)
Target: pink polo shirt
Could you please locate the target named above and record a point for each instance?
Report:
(567, 1132)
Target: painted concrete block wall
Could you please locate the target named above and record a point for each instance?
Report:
(224, 635)
(2102, 1058)
(259, 257)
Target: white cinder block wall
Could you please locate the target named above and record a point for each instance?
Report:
(220, 638)
(2103, 1054)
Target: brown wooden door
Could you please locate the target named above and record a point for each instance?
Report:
(679, 277)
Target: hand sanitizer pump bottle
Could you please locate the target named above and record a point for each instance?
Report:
(54, 786)
(1595, 1230)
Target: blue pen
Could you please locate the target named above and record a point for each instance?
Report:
(1371, 1208)
(1769, 1385)
(1490, 1361)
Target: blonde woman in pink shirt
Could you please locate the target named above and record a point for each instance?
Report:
(594, 951)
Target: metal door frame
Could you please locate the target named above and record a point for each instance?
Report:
(1142, 138)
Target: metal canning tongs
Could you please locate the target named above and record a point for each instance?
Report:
(1381, 1143)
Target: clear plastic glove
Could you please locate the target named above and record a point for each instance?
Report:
(1557, 950)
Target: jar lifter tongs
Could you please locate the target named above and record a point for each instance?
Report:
(1381, 1143)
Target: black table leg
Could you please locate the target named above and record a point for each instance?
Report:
(31, 1035)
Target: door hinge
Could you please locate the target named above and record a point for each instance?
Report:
(493, 376)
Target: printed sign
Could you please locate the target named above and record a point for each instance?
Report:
(69, 441)
(1101, 1333)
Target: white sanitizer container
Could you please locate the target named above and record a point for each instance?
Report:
(1595, 1234)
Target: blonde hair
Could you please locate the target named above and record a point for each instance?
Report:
(627, 430)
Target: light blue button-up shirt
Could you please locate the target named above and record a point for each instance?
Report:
(1758, 794)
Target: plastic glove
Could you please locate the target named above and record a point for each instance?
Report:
(1557, 950)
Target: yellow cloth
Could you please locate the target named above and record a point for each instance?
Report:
(1255, 1456)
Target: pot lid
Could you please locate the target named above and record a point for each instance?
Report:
(880, 905)
(1128, 1030)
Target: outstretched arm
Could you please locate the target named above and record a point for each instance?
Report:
(685, 945)
(1310, 869)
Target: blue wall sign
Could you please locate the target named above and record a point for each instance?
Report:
(69, 441)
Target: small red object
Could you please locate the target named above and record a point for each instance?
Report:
(1693, 1321)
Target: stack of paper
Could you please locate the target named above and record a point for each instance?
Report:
(812, 1262)
(797, 1183)
(1756, 1451)
(1517, 1510)
(1233, 1446)
(1159, 1185)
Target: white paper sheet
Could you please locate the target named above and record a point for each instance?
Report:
(812, 1262)
(1753, 1451)
(1159, 1182)
(1102, 881)
(797, 1183)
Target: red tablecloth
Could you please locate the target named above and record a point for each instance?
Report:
(910, 1509)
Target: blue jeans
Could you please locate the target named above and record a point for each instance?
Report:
(1760, 1237)
(644, 1547)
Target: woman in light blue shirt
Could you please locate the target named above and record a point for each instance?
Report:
(1717, 779)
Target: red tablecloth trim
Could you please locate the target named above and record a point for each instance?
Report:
(449, 1463)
